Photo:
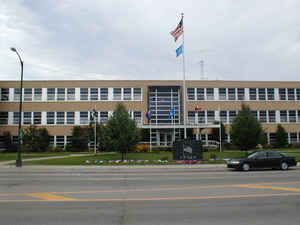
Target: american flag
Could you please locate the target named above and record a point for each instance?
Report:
(178, 31)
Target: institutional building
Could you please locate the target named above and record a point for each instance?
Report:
(60, 105)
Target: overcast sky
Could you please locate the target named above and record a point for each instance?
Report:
(130, 39)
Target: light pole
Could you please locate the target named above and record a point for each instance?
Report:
(19, 160)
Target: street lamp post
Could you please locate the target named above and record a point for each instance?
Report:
(19, 160)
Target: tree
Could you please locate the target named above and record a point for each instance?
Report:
(245, 130)
(281, 136)
(123, 133)
(216, 132)
(36, 139)
(80, 139)
(7, 142)
(103, 139)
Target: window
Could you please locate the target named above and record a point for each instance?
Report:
(263, 116)
(298, 93)
(69, 140)
(3, 118)
(191, 117)
(282, 94)
(274, 154)
(137, 94)
(283, 116)
(50, 94)
(94, 94)
(60, 94)
(191, 93)
(117, 93)
(103, 93)
(298, 114)
(50, 117)
(292, 116)
(210, 116)
(222, 94)
(291, 94)
(37, 94)
(84, 118)
(254, 113)
(84, 94)
(200, 94)
(51, 140)
(270, 92)
(70, 117)
(37, 118)
(232, 115)
(70, 94)
(4, 94)
(209, 94)
(272, 116)
(262, 94)
(60, 141)
(273, 138)
(252, 92)
(17, 94)
(27, 118)
(103, 117)
(201, 116)
(137, 115)
(293, 138)
(16, 118)
(60, 117)
(241, 94)
(27, 94)
(231, 93)
(223, 116)
(127, 94)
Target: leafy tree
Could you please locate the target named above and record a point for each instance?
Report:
(7, 142)
(216, 132)
(80, 139)
(36, 139)
(123, 133)
(246, 130)
(281, 136)
(103, 139)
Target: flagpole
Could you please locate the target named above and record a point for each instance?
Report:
(184, 88)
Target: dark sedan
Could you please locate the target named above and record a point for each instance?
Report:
(263, 159)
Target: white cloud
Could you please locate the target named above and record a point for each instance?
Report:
(129, 39)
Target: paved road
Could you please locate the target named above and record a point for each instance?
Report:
(148, 195)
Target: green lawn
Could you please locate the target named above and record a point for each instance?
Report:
(211, 157)
(13, 156)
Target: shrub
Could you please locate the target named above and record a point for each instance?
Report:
(142, 148)
(58, 149)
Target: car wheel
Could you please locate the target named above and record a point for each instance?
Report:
(284, 166)
(246, 167)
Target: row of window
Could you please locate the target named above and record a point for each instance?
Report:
(264, 116)
(293, 138)
(69, 94)
(62, 118)
(241, 94)
(61, 140)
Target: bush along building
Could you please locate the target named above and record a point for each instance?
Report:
(155, 105)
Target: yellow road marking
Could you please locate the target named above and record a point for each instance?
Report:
(154, 189)
(254, 186)
(159, 199)
(50, 197)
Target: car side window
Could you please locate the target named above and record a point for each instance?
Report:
(261, 155)
(274, 155)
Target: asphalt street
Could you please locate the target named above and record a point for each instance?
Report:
(148, 195)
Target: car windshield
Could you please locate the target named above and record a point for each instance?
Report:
(253, 155)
